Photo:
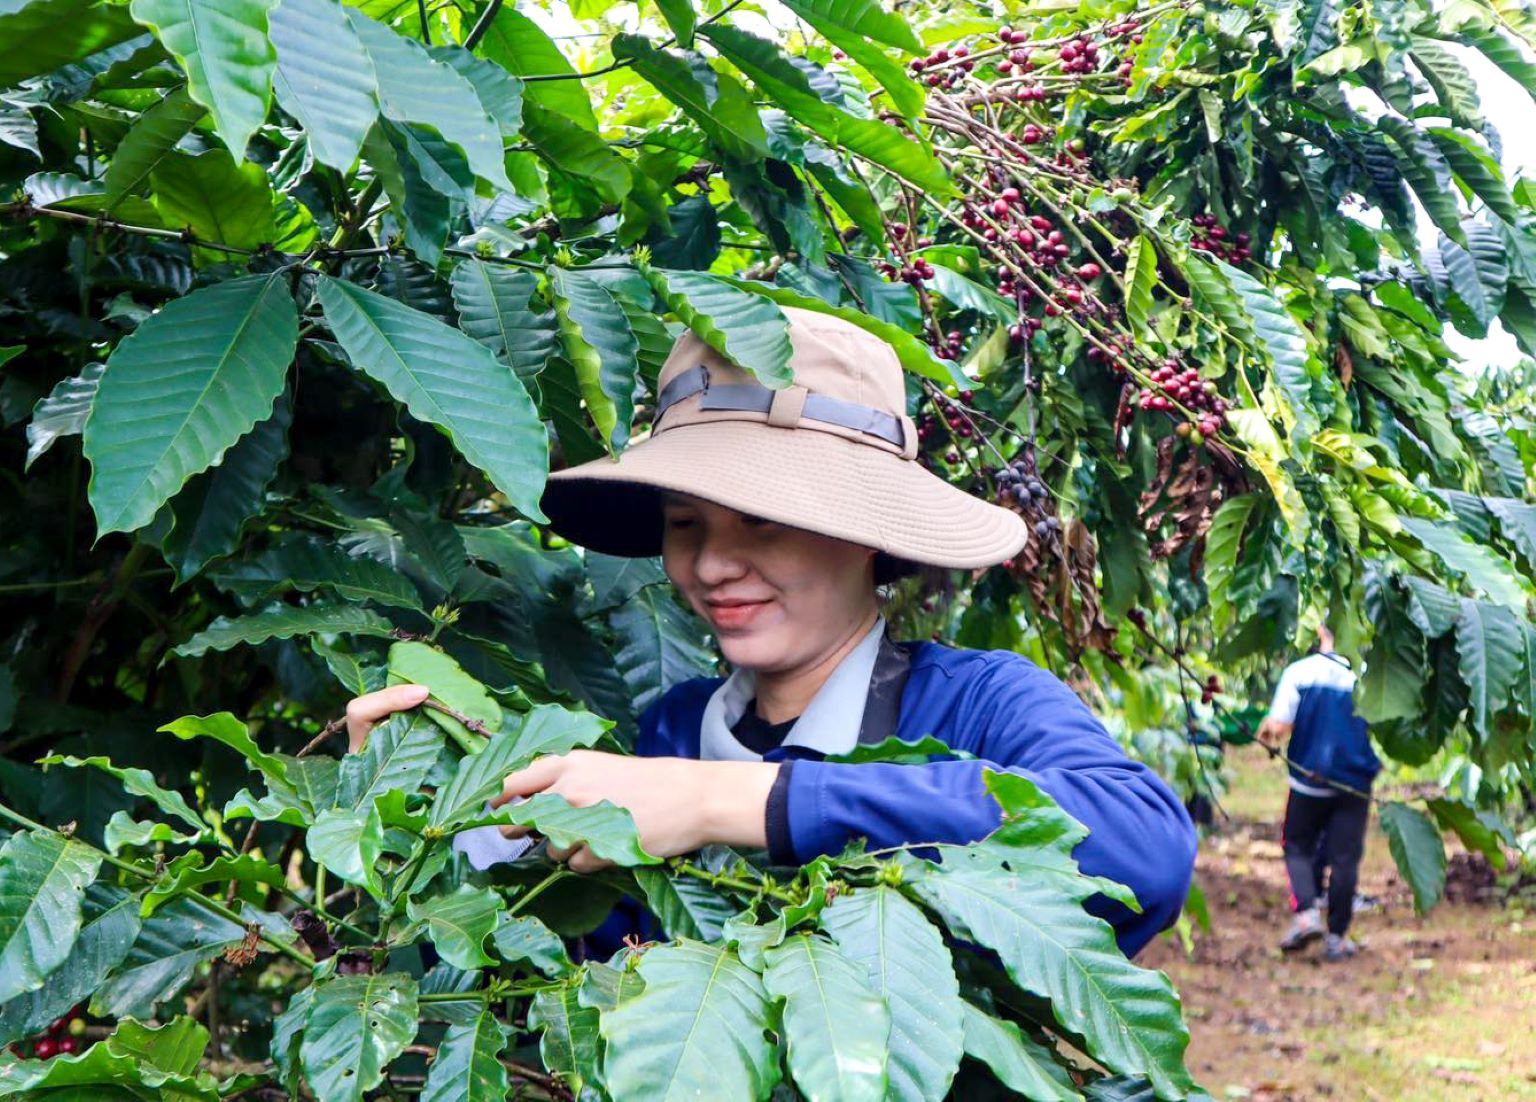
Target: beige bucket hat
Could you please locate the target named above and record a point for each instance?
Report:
(835, 453)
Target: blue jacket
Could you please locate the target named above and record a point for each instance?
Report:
(1329, 740)
(1012, 715)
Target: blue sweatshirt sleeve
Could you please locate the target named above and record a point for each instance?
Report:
(1019, 718)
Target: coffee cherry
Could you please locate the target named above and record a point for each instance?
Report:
(77, 1027)
(1089, 271)
(67, 1045)
(45, 1049)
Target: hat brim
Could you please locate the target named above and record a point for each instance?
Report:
(812, 480)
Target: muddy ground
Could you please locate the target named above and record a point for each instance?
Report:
(1440, 1007)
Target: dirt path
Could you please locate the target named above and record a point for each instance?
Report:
(1435, 1008)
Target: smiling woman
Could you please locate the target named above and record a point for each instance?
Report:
(773, 511)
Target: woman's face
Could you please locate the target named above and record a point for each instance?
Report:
(777, 597)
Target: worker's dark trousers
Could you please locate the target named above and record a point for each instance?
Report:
(1343, 818)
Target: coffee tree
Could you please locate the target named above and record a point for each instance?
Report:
(303, 300)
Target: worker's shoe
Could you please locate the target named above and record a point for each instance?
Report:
(1339, 948)
(1306, 928)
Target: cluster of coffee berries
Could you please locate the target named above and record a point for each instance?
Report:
(1215, 240)
(949, 347)
(60, 1039)
(1080, 55)
(1019, 487)
(1210, 689)
(949, 412)
(946, 75)
(1184, 385)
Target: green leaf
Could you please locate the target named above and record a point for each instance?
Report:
(915, 356)
(601, 347)
(458, 924)
(1483, 568)
(1498, 49)
(447, 379)
(224, 48)
(1020, 1064)
(42, 35)
(103, 943)
(181, 389)
(248, 868)
(468, 1066)
(63, 412)
(716, 102)
(208, 514)
(520, 938)
(139, 782)
(225, 728)
(357, 1025)
(42, 881)
(170, 946)
(1477, 276)
(397, 757)
(218, 200)
(835, 1027)
(1432, 608)
(1479, 832)
(916, 752)
(660, 644)
(307, 563)
(414, 87)
(1452, 84)
(788, 86)
(123, 830)
(1127, 1018)
(859, 28)
(696, 1031)
(576, 152)
(568, 1041)
(751, 333)
(285, 622)
(1223, 541)
(685, 907)
(523, 48)
(908, 966)
(349, 842)
(324, 78)
(548, 729)
(176, 1046)
(1491, 649)
(1426, 172)
(1478, 169)
(423, 210)
(1417, 850)
(494, 304)
(148, 143)
(420, 664)
(1282, 340)
(501, 94)
(680, 17)
(1140, 280)
(607, 829)
(1389, 688)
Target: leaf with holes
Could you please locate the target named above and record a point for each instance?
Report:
(356, 1026)
(181, 389)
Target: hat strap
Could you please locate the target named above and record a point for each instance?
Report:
(753, 397)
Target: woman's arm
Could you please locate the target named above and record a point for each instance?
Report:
(1020, 719)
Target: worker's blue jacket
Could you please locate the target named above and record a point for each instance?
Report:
(1012, 716)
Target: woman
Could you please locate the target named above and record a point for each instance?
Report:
(777, 514)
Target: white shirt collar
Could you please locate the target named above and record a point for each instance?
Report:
(829, 724)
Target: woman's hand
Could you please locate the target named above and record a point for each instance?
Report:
(678, 804)
(366, 710)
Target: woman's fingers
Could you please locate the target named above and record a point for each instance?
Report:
(535, 778)
(366, 710)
